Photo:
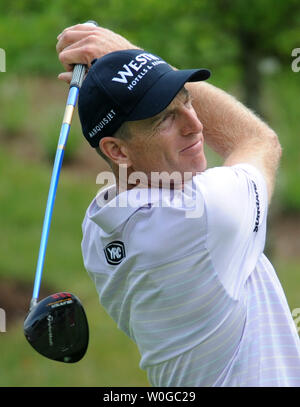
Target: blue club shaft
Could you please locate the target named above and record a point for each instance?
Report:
(76, 81)
(63, 137)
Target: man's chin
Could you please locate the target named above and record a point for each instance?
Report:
(200, 167)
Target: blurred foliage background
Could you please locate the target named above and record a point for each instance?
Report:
(248, 47)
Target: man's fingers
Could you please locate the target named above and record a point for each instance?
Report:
(77, 27)
(81, 53)
(81, 43)
(79, 46)
(65, 76)
(69, 38)
(73, 34)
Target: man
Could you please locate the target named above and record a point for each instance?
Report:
(182, 274)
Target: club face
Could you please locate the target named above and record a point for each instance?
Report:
(57, 328)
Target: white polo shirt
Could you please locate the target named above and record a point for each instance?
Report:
(185, 277)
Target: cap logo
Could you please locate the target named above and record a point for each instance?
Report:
(115, 252)
(135, 65)
(102, 123)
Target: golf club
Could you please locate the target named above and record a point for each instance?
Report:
(57, 326)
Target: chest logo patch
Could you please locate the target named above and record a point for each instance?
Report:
(115, 252)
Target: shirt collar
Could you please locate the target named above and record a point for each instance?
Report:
(109, 210)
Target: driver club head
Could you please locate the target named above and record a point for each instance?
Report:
(57, 328)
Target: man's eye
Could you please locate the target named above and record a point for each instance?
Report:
(188, 103)
(167, 116)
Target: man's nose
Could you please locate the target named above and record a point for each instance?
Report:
(190, 122)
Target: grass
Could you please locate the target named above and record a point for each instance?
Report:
(288, 274)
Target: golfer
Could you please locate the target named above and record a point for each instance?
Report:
(175, 249)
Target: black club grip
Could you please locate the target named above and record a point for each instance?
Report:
(79, 69)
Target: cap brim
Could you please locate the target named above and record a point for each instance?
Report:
(161, 94)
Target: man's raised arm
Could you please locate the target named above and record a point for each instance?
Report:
(235, 132)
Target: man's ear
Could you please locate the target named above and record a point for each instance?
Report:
(116, 150)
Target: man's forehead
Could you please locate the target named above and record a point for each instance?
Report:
(182, 93)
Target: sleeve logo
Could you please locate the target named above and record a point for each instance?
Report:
(257, 208)
(114, 252)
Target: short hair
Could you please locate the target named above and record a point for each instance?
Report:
(122, 133)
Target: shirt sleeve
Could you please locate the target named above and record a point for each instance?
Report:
(236, 204)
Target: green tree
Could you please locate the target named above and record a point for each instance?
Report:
(261, 28)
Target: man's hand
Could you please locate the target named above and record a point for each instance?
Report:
(81, 43)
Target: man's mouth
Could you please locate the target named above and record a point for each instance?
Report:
(193, 147)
